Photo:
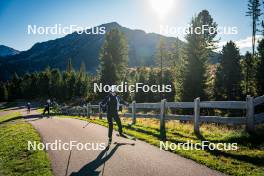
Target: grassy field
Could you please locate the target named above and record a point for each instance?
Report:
(9, 117)
(15, 158)
(247, 160)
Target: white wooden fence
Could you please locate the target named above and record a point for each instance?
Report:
(250, 120)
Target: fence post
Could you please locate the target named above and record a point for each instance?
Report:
(88, 109)
(162, 119)
(100, 112)
(134, 112)
(197, 116)
(250, 114)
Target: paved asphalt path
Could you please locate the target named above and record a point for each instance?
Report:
(124, 158)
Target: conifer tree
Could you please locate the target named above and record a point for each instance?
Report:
(113, 58)
(260, 69)
(3, 92)
(198, 49)
(228, 75)
(249, 66)
(69, 66)
(254, 12)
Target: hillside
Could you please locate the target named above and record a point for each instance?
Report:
(81, 48)
(7, 51)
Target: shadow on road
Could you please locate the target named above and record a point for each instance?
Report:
(34, 117)
(101, 159)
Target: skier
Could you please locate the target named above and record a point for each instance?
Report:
(47, 107)
(28, 107)
(111, 104)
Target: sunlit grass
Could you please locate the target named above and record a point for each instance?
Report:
(9, 116)
(15, 158)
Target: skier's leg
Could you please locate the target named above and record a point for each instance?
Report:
(44, 111)
(118, 121)
(110, 126)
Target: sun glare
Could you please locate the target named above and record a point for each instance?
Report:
(161, 7)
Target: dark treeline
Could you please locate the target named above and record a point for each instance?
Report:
(48, 83)
(78, 85)
(185, 68)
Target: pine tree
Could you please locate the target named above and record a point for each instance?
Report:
(15, 91)
(141, 96)
(254, 12)
(82, 82)
(55, 84)
(69, 66)
(3, 92)
(260, 69)
(168, 80)
(161, 59)
(44, 83)
(198, 49)
(34, 84)
(82, 69)
(25, 86)
(228, 75)
(177, 65)
(113, 58)
(125, 95)
(175, 55)
(152, 80)
(249, 66)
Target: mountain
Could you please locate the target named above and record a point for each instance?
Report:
(7, 51)
(83, 48)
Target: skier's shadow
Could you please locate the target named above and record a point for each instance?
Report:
(34, 117)
(90, 168)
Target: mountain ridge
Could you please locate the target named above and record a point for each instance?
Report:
(83, 48)
(7, 51)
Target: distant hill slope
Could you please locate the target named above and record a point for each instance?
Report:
(82, 48)
(7, 51)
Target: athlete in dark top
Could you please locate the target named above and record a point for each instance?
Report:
(28, 107)
(112, 104)
(47, 107)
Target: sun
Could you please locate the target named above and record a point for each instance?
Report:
(161, 7)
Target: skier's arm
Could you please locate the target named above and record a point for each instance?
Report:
(123, 101)
(104, 102)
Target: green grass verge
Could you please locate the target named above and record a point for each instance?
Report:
(247, 160)
(9, 117)
(40, 110)
(15, 158)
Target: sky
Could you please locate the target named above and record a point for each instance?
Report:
(147, 15)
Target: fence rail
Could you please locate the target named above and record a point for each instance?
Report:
(249, 105)
(258, 100)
